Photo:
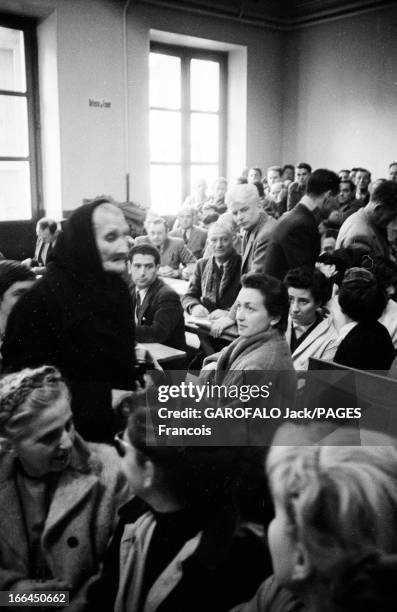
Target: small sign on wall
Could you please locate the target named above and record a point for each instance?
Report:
(99, 103)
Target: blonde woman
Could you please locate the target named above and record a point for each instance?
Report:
(333, 540)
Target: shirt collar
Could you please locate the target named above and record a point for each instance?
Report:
(345, 329)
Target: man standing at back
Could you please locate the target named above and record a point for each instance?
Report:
(256, 225)
(367, 228)
(297, 189)
(296, 240)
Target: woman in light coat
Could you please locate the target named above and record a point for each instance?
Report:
(59, 495)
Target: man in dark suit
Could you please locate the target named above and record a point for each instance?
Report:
(157, 307)
(194, 237)
(298, 188)
(296, 240)
(47, 232)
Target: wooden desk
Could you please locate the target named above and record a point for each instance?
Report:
(161, 352)
(177, 284)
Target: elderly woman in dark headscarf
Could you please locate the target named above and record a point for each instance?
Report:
(79, 317)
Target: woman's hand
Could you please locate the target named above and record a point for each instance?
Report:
(217, 314)
(199, 311)
(218, 326)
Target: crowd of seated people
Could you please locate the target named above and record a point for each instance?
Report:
(297, 265)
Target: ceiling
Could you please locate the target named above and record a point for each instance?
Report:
(283, 14)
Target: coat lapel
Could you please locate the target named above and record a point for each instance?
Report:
(75, 487)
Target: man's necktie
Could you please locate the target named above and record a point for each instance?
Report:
(138, 305)
(185, 236)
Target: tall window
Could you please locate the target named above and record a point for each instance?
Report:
(18, 185)
(187, 122)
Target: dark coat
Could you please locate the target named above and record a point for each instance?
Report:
(197, 239)
(79, 319)
(201, 288)
(368, 346)
(224, 569)
(161, 316)
(295, 242)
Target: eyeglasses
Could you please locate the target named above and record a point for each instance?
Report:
(121, 445)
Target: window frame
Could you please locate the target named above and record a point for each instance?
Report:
(186, 54)
(29, 28)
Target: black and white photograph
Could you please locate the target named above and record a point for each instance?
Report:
(198, 305)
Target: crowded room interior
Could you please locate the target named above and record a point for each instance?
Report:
(198, 305)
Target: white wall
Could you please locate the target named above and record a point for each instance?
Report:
(340, 93)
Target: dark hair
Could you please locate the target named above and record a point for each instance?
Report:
(47, 223)
(343, 259)
(260, 188)
(349, 182)
(241, 180)
(363, 170)
(13, 272)
(311, 279)
(344, 170)
(204, 479)
(331, 233)
(392, 164)
(145, 249)
(286, 167)
(275, 296)
(275, 169)
(256, 170)
(360, 295)
(386, 194)
(322, 180)
(305, 166)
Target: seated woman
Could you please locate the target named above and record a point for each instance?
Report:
(262, 311)
(180, 545)
(365, 343)
(310, 332)
(333, 540)
(59, 495)
(216, 279)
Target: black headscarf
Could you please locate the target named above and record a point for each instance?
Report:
(93, 300)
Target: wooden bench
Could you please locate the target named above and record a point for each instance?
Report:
(375, 394)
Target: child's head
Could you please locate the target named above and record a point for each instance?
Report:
(335, 523)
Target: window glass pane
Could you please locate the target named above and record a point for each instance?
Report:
(165, 136)
(199, 171)
(204, 85)
(165, 81)
(204, 138)
(166, 189)
(13, 127)
(12, 60)
(15, 203)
